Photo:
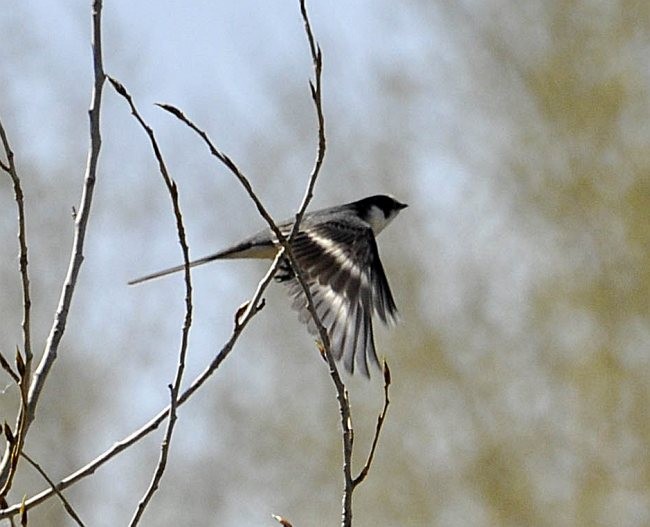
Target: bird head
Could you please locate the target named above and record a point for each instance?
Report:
(378, 211)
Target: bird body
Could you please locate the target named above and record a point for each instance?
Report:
(337, 253)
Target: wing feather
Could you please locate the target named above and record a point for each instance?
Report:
(348, 285)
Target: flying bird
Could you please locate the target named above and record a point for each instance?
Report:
(337, 253)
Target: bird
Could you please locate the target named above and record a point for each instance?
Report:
(337, 253)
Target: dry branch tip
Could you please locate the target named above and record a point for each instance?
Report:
(119, 87)
(23, 511)
(387, 378)
(7, 367)
(282, 521)
(20, 363)
(8, 433)
(171, 109)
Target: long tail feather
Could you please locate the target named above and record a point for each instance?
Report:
(245, 249)
(175, 269)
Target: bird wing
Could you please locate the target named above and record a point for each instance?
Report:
(341, 264)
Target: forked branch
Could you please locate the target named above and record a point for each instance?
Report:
(31, 388)
(22, 374)
(253, 307)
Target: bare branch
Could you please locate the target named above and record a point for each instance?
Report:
(254, 306)
(230, 164)
(28, 410)
(187, 323)
(316, 94)
(81, 221)
(162, 460)
(4, 364)
(380, 423)
(23, 365)
(66, 503)
(10, 168)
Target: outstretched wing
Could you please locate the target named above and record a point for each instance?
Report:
(348, 285)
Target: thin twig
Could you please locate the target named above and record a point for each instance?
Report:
(380, 423)
(254, 306)
(19, 197)
(316, 95)
(162, 460)
(23, 364)
(81, 221)
(230, 164)
(66, 503)
(4, 364)
(174, 388)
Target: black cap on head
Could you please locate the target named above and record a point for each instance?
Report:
(384, 202)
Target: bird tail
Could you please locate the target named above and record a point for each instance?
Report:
(238, 251)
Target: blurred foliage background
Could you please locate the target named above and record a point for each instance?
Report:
(517, 131)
